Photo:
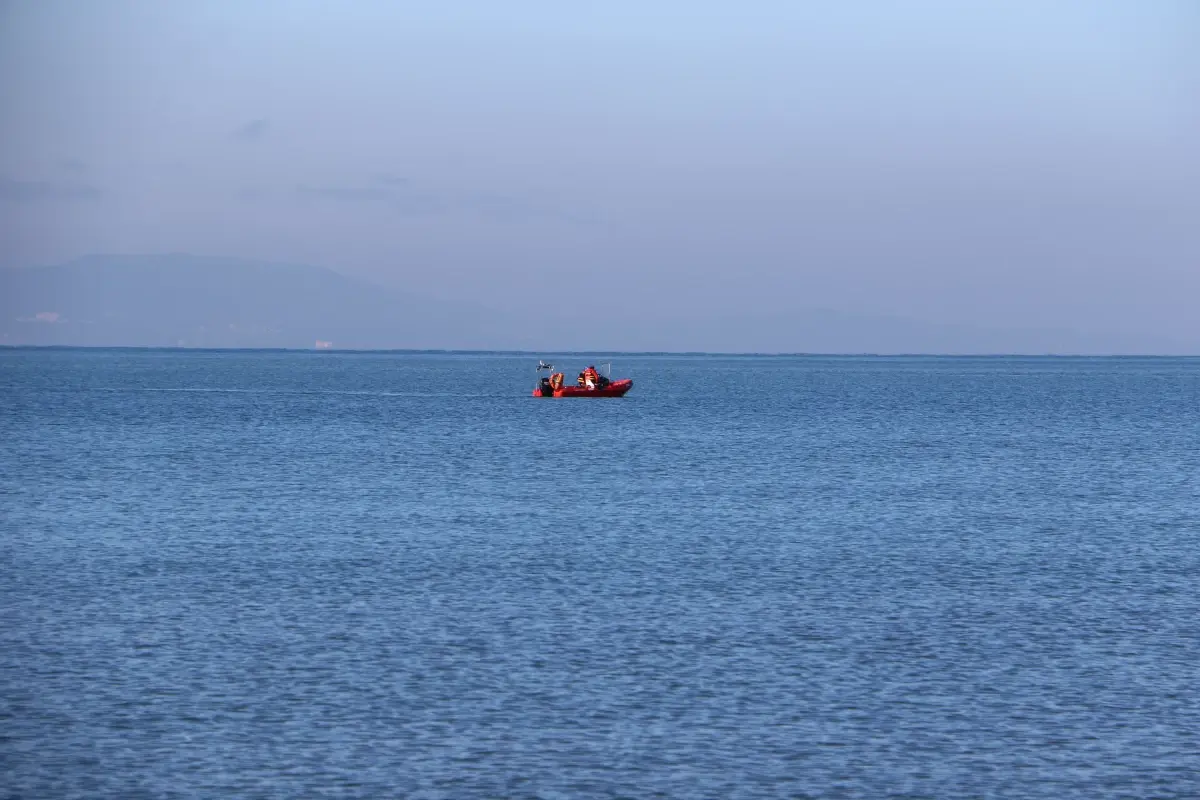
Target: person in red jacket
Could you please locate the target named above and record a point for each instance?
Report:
(589, 378)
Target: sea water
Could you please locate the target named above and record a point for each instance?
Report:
(269, 574)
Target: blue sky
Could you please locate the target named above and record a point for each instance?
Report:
(1009, 164)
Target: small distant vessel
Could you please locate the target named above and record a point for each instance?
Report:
(591, 383)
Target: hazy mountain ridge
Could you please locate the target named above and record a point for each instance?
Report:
(192, 301)
(181, 300)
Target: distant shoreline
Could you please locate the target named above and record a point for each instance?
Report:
(583, 353)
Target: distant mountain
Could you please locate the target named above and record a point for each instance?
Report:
(181, 300)
(191, 301)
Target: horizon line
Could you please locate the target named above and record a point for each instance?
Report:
(591, 353)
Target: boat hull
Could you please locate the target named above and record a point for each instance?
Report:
(614, 389)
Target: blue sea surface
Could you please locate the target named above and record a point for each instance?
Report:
(271, 574)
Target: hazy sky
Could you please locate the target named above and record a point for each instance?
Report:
(1005, 163)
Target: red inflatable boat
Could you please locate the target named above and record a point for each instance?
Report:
(591, 384)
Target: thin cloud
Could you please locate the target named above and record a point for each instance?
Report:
(17, 191)
(389, 179)
(503, 208)
(346, 194)
(252, 131)
(394, 194)
(252, 194)
(391, 191)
